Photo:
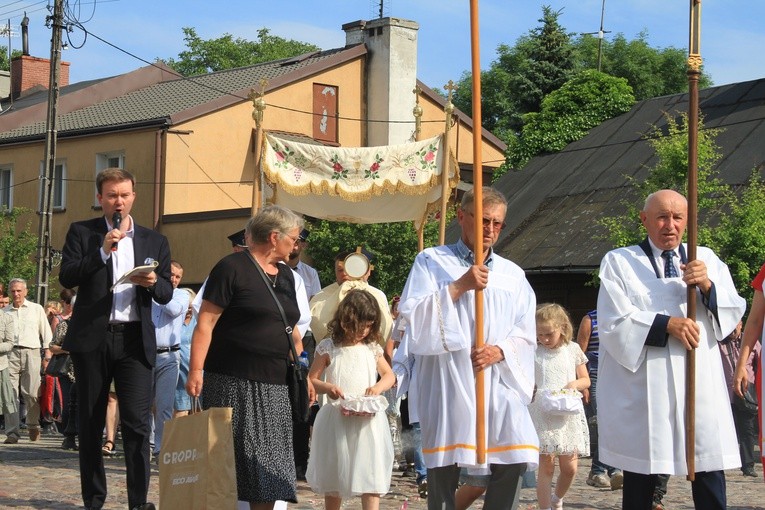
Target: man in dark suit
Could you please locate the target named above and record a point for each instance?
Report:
(111, 334)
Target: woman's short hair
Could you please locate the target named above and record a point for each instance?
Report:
(270, 219)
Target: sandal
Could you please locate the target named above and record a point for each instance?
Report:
(108, 448)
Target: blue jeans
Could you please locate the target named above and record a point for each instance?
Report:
(165, 380)
(419, 460)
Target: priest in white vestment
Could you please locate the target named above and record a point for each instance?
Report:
(438, 305)
(644, 337)
(324, 304)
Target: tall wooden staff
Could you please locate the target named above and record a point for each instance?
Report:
(694, 71)
(475, 53)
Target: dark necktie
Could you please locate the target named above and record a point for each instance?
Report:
(669, 264)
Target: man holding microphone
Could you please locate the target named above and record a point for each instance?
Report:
(111, 334)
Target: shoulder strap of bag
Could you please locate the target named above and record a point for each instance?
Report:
(287, 327)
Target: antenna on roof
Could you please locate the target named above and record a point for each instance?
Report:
(378, 8)
(600, 33)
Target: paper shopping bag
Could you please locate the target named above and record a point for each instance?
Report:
(196, 463)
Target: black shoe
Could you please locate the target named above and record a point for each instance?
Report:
(749, 471)
(69, 443)
(145, 506)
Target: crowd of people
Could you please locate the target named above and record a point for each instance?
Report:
(138, 350)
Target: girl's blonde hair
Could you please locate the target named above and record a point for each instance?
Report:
(558, 317)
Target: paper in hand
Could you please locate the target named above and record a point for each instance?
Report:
(138, 270)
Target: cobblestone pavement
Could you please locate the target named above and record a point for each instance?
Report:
(42, 476)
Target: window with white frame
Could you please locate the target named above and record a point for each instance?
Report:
(6, 187)
(115, 159)
(59, 185)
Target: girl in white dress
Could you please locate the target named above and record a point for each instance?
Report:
(352, 454)
(560, 364)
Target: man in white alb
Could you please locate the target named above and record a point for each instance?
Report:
(438, 306)
(644, 339)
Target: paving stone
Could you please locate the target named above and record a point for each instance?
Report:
(42, 476)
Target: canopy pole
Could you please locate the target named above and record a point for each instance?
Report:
(446, 160)
(694, 71)
(475, 52)
(259, 106)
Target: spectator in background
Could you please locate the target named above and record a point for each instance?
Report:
(744, 418)
(8, 399)
(182, 399)
(753, 331)
(310, 275)
(32, 335)
(168, 320)
(68, 388)
(601, 475)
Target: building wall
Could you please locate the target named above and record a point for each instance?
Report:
(461, 136)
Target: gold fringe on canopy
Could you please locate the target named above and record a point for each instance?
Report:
(358, 184)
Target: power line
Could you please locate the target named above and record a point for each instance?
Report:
(192, 79)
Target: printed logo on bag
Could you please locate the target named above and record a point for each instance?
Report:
(179, 456)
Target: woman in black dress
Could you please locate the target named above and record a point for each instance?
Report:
(241, 345)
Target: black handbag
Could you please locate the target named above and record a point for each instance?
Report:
(749, 401)
(297, 375)
(58, 366)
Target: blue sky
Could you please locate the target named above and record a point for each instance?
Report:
(732, 35)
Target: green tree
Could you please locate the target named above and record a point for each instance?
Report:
(523, 74)
(227, 52)
(567, 114)
(17, 248)
(5, 64)
(741, 236)
(733, 226)
(651, 72)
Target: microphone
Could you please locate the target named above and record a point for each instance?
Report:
(116, 221)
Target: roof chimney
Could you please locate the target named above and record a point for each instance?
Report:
(33, 72)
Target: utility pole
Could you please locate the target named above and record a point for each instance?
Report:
(56, 21)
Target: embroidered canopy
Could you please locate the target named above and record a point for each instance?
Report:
(358, 184)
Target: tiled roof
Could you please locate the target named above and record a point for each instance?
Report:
(161, 102)
(555, 200)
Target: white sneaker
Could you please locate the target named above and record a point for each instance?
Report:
(600, 480)
(617, 480)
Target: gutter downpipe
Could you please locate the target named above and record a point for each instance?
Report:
(158, 150)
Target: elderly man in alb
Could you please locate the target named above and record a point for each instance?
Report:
(438, 306)
(644, 338)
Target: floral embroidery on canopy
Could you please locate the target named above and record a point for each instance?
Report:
(358, 184)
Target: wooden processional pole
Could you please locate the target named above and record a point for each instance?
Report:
(694, 71)
(259, 106)
(475, 53)
(446, 161)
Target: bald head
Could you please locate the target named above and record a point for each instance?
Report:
(665, 216)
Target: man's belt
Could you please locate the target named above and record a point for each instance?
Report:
(25, 347)
(162, 350)
(119, 327)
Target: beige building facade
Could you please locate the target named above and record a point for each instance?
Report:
(190, 142)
